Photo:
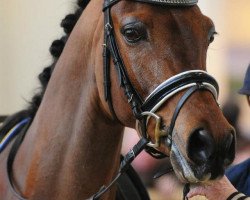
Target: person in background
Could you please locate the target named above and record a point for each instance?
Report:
(236, 184)
(232, 112)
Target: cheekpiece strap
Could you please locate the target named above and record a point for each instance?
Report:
(111, 50)
(109, 4)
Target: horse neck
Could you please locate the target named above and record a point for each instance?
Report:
(71, 144)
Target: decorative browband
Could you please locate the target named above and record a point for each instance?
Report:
(171, 2)
(181, 3)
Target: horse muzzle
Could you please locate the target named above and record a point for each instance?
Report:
(202, 154)
(203, 158)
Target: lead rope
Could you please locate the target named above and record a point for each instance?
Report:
(128, 158)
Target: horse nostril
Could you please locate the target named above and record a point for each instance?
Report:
(229, 149)
(201, 146)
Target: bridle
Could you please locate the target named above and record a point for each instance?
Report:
(193, 80)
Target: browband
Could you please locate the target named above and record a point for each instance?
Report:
(171, 2)
(180, 3)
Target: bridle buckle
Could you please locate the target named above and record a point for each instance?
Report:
(158, 132)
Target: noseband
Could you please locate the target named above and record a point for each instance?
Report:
(192, 80)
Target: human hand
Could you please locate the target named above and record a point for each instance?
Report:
(214, 190)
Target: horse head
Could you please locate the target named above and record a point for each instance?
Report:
(159, 54)
(152, 77)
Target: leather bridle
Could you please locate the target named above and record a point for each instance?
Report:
(192, 80)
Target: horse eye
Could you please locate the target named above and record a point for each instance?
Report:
(132, 35)
(211, 38)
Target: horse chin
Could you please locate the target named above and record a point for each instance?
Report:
(183, 169)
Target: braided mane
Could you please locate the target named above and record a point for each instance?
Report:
(56, 49)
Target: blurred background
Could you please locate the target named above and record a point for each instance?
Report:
(28, 27)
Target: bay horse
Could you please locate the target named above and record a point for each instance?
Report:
(134, 63)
